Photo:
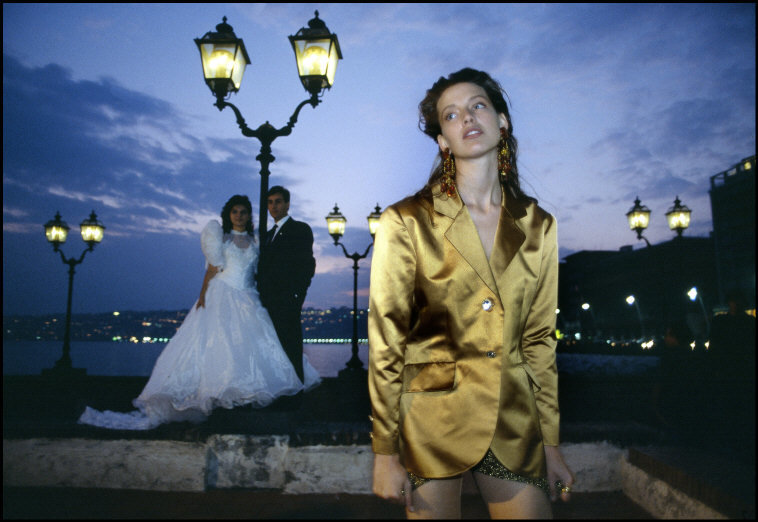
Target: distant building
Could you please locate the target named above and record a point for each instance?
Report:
(733, 208)
(658, 277)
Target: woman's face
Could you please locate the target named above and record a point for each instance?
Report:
(240, 217)
(469, 122)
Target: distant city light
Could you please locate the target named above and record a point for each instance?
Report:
(585, 306)
(630, 300)
(116, 313)
(692, 293)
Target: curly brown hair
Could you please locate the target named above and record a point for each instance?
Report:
(429, 124)
(226, 221)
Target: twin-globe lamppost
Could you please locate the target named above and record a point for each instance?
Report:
(336, 222)
(678, 218)
(224, 59)
(632, 301)
(694, 295)
(56, 232)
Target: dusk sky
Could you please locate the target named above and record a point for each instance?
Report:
(105, 109)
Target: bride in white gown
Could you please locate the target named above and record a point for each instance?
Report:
(226, 352)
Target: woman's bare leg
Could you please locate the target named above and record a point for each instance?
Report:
(437, 499)
(511, 499)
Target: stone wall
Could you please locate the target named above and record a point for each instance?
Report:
(237, 461)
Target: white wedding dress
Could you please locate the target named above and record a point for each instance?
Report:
(225, 354)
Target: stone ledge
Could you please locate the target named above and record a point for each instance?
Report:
(700, 475)
(119, 464)
(237, 461)
(659, 498)
(271, 463)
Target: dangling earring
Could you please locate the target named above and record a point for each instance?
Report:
(503, 157)
(447, 181)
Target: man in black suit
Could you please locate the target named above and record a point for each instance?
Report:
(285, 269)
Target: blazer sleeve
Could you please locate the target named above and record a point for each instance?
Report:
(539, 340)
(393, 269)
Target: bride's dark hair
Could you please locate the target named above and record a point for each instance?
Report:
(226, 222)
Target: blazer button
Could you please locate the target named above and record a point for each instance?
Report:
(487, 305)
(491, 354)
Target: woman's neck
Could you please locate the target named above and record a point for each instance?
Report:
(478, 182)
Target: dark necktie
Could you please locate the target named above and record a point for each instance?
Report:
(271, 234)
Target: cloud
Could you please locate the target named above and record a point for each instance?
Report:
(99, 144)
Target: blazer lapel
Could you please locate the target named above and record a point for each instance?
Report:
(463, 235)
(509, 236)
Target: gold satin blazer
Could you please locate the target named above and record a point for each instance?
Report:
(462, 348)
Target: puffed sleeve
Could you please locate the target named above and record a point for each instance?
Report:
(211, 241)
(539, 341)
(393, 269)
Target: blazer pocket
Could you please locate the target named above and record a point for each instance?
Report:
(532, 378)
(433, 376)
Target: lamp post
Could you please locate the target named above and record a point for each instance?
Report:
(639, 218)
(587, 308)
(335, 222)
(56, 232)
(631, 301)
(694, 295)
(678, 217)
(224, 59)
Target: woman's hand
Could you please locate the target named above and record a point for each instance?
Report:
(558, 471)
(391, 480)
(210, 272)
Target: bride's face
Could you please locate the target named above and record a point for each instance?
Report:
(240, 217)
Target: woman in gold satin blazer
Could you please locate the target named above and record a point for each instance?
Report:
(464, 280)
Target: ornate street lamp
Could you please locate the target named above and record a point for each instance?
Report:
(587, 308)
(336, 222)
(56, 232)
(639, 218)
(678, 217)
(694, 295)
(317, 52)
(224, 59)
(631, 301)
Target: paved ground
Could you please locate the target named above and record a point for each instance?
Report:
(67, 503)
(337, 413)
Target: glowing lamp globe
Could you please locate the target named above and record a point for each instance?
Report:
(92, 230)
(373, 220)
(317, 52)
(224, 59)
(638, 217)
(678, 217)
(56, 230)
(335, 222)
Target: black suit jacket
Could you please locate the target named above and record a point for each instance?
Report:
(286, 266)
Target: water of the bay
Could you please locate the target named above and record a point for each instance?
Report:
(138, 359)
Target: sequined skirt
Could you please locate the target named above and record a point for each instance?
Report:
(491, 467)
